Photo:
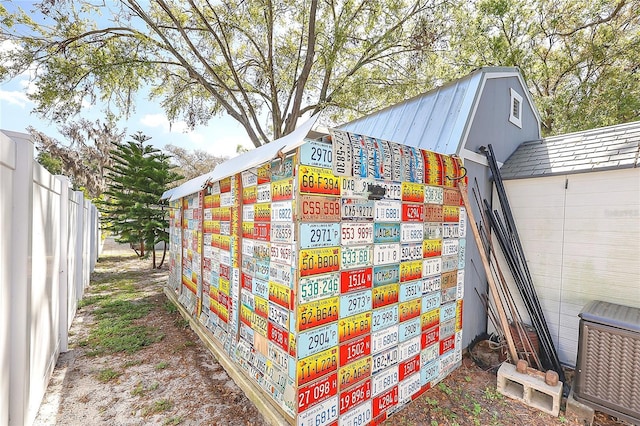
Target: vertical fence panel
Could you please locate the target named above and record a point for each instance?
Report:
(63, 245)
(7, 172)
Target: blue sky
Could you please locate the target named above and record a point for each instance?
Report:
(220, 137)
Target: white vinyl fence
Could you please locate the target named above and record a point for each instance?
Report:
(49, 242)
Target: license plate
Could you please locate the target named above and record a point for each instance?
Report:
(264, 193)
(384, 360)
(356, 279)
(355, 349)
(355, 209)
(282, 274)
(343, 152)
(247, 213)
(247, 229)
(408, 387)
(433, 213)
(450, 214)
(283, 253)
(384, 380)
(450, 230)
(410, 290)
(262, 269)
(384, 254)
(451, 197)
(319, 261)
(356, 187)
(314, 235)
(413, 192)
(408, 367)
(459, 304)
(318, 287)
(433, 195)
(261, 306)
(280, 232)
(411, 251)
(281, 294)
(316, 153)
(412, 232)
(278, 356)
(282, 169)
(319, 209)
(261, 250)
(279, 316)
(354, 372)
(409, 349)
(282, 211)
(447, 312)
(447, 328)
(355, 303)
(462, 223)
(428, 355)
(460, 284)
(262, 212)
(412, 212)
(429, 372)
(432, 231)
(317, 391)
(317, 340)
(447, 344)
(409, 328)
(384, 317)
(226, 200)
(449, 279)
(317, 313)
(432, 266)
(431, 248)
(249, 177)
(449, 247)
(385, 401)
(430, 319)
(409, 310)
(462, 253)
(318, 180)
(278, 336)
(386, 274)
(385, 295)
(259, 324)
(429, 337)
(361, 415)
(410, 271)
(359, 156)
(387, 211)
(430, 301)
(384, 339)
(356, 233)
(355, 326)
(247, 247)
(386, 232)
(321, 414)
(354, 396)
(249, 194)
(355, 257)
(245, 315)
(375, 159)
(316, 366)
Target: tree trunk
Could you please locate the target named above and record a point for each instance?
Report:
(164, 254)
(153, 251)
(141, 248)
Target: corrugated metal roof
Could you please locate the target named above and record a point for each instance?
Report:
(613, 147)
(247, 160)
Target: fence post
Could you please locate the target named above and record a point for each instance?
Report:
(63, 328)
(80, 225)
(20, 288)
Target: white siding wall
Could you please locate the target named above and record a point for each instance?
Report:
(582, 243)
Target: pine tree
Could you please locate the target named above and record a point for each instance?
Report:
(132, 209)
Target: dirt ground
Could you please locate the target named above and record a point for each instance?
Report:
(176, 380)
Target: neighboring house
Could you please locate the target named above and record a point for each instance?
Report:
(489, 106)
(576, 202)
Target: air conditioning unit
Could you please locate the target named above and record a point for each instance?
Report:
(608, 367)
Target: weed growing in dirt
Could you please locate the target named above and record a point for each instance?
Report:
(181, 323)
(444, 388)
(162, 365)
(107, 374)
(170, 307)
(173, 421)
(492, 394)
(157, 407)
(131, 363)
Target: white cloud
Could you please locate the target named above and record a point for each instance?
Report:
(15, 98)
(161, 121)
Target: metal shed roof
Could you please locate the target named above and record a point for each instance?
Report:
(247, 160)
(612, 147)
(437, 120)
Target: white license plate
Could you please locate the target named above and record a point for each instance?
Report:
(410, 290)
(384, 317)
(356, 187)
(409, 329)
(433, 194)
(384, 359)
(449, 247)
(321, 414)
(356, 233)
(450, 230)
(384, 254)
(431, 267)
(342, 153)
(355, 209)
(462, 223)
(361, 415)
(316, 153)
(264, 193)
(412, 232)
(279, 316)
(226, 199)
(355, 257)
(247, 213)
(408, 387)
(314, 235)
(355, 303)
(447, 312)
(247, 247)
(318, 287)
(281, 273)
(282, 211)
(281, 232)
(388, 211)
(283, 253)
(384, 339)
(409, 349)
(317, 340)
(430, 302)
(411, 251)
(384, 380)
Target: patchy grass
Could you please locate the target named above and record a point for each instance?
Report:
(176, 420)
(107, 375)
(157, 407)
(162, 365)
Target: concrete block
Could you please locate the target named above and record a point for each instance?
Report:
(579, 411)
(530, 389)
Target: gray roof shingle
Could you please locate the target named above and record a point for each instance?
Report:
(612, 147)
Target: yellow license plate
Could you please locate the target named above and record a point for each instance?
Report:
(450, 213)
(259, 324)
(262, 212)
(261, 306)
(354, 326)
(413, 192)
(315, 366)
(319, 261)
(318, 180)
(430, 319)
(249, 194)
(431, 248)
(281, 294)
(410, 271)
(282, 190)
(354, 372)
(409, 310)
(385, 295)
(317, 313)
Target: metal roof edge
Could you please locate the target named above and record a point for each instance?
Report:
(572, 172)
